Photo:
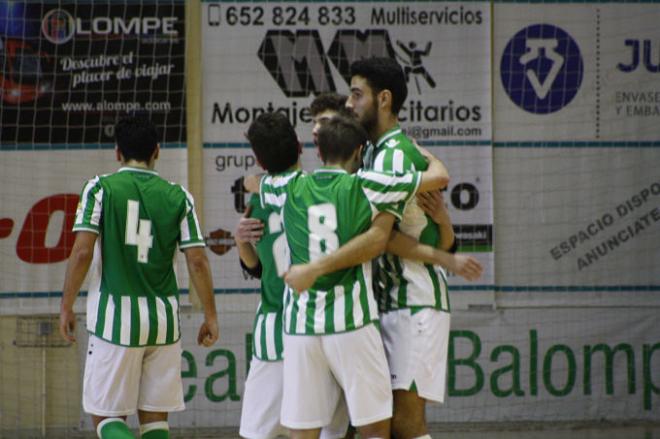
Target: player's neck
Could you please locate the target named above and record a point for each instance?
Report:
(140, 165)
(349, 166)
(295, 167)
(385, 124)
(333, 165)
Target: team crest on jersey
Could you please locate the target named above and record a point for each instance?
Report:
(392, 143)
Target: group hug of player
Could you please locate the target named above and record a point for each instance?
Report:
(354, 317)
(335, 337)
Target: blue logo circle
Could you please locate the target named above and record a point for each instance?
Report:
(542, 69)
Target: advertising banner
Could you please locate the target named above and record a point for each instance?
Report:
(584, 225)
(576, 72)
(69, 68)
(277, 57)
(263, 57)
(510, 365)
(576, 152)
(68, 71)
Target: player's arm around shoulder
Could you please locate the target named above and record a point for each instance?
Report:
(407, 247)
(360, 249)
(200, 275)
(436, 175)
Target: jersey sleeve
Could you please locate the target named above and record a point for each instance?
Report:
(271, 195)
(273, 190)
(419, 162)
(90, 206)
(190, 234)
(254, 202)
(389, 192)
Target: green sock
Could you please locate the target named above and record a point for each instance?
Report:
(156, 434)
(114, 428)
(155, 430)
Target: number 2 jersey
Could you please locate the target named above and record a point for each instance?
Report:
(267, 344)
(141, 219)
(322, 211)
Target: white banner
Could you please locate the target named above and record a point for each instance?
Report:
(277, 56)
(582, 220)
(577, 72)
(577, 98)
(507, 365)
(39, 195)
(546, 365)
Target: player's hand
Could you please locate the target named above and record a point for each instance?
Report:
(248, 230)
(208, 332)
(433, 204)
(467, 267)
(68, 325)
(301, 277)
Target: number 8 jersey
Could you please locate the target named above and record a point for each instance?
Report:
(141, 219)
(321, 212)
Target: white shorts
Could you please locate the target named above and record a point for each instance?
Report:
(416, 347)
(262, 401)
(262, 404)
(120, 380)
(318, 367)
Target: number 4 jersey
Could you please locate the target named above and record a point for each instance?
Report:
(141, 219)
(321, 212)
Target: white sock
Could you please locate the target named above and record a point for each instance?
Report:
(426, 436)
(159, 425)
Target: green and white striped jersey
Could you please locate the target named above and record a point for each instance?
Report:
(141, 219)
(273, 255)
(402, 283)
(321, 212)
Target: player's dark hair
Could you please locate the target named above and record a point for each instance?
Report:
(383, 74)
(136, 138)
(339, 138)
(329, 101)
(274, 142)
